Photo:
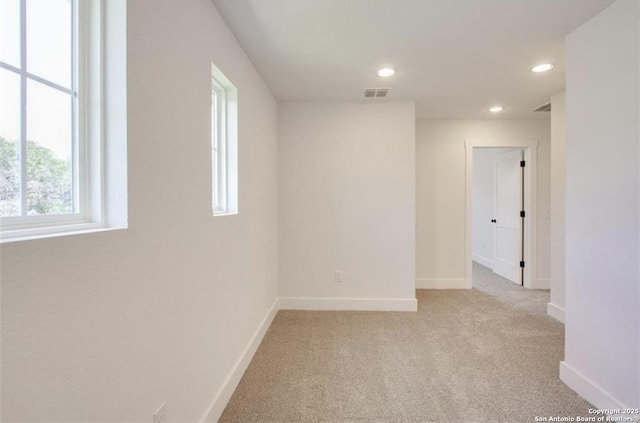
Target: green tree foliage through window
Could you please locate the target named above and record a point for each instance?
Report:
(49, 180)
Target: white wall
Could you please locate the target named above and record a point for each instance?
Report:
(347, 202)
(602, 209)
(104, 327)
(440, 198)
(483, 204)
(555, 307)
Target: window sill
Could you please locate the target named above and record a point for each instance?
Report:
(53, 232)
(222, 214)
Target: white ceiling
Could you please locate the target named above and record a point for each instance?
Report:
(455, 58)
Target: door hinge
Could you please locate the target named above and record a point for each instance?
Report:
(522, 213)
(522, 163)
(522, 264)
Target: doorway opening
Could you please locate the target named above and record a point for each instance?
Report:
(500, 210)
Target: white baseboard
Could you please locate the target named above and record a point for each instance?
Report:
(482, 260)
(542, 284)
(223, 396)
(441, 284)
(352, 304)
(588, 390)
(555, 311)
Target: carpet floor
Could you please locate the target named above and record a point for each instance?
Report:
(489, 354)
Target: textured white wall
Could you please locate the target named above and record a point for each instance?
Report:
(440, 197)
(347, 199)
(483, 203)
(105, 327)
(602, 208)
(558, 192)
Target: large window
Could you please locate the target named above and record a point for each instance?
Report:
(224, 125)
(44, 146)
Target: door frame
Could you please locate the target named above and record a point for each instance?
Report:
(530, 149)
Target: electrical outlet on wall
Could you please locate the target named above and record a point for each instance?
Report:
(338, 276)
(160, 416)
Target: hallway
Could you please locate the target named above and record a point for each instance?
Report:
(502, 290)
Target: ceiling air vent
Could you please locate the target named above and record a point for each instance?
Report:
(544, 108)
(375, 92)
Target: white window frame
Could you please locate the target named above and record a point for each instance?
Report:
(86, 89)
(224, 144)
(219, 145)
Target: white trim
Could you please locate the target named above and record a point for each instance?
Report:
(109, 27)
(91, 105)
(349, 304)
(482, 260)
(23, 108)
(219, 146)
(530, 148)
(230, 384)
(587, 389)
(556, 312)
(72, 228)
(441, 284)
(543, 283)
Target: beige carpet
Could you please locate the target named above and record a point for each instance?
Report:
(490, 354)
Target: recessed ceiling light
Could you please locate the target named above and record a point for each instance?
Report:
(386, 72)
(542, 68)
(496, 109)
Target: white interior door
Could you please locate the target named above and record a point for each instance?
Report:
(507, 223)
